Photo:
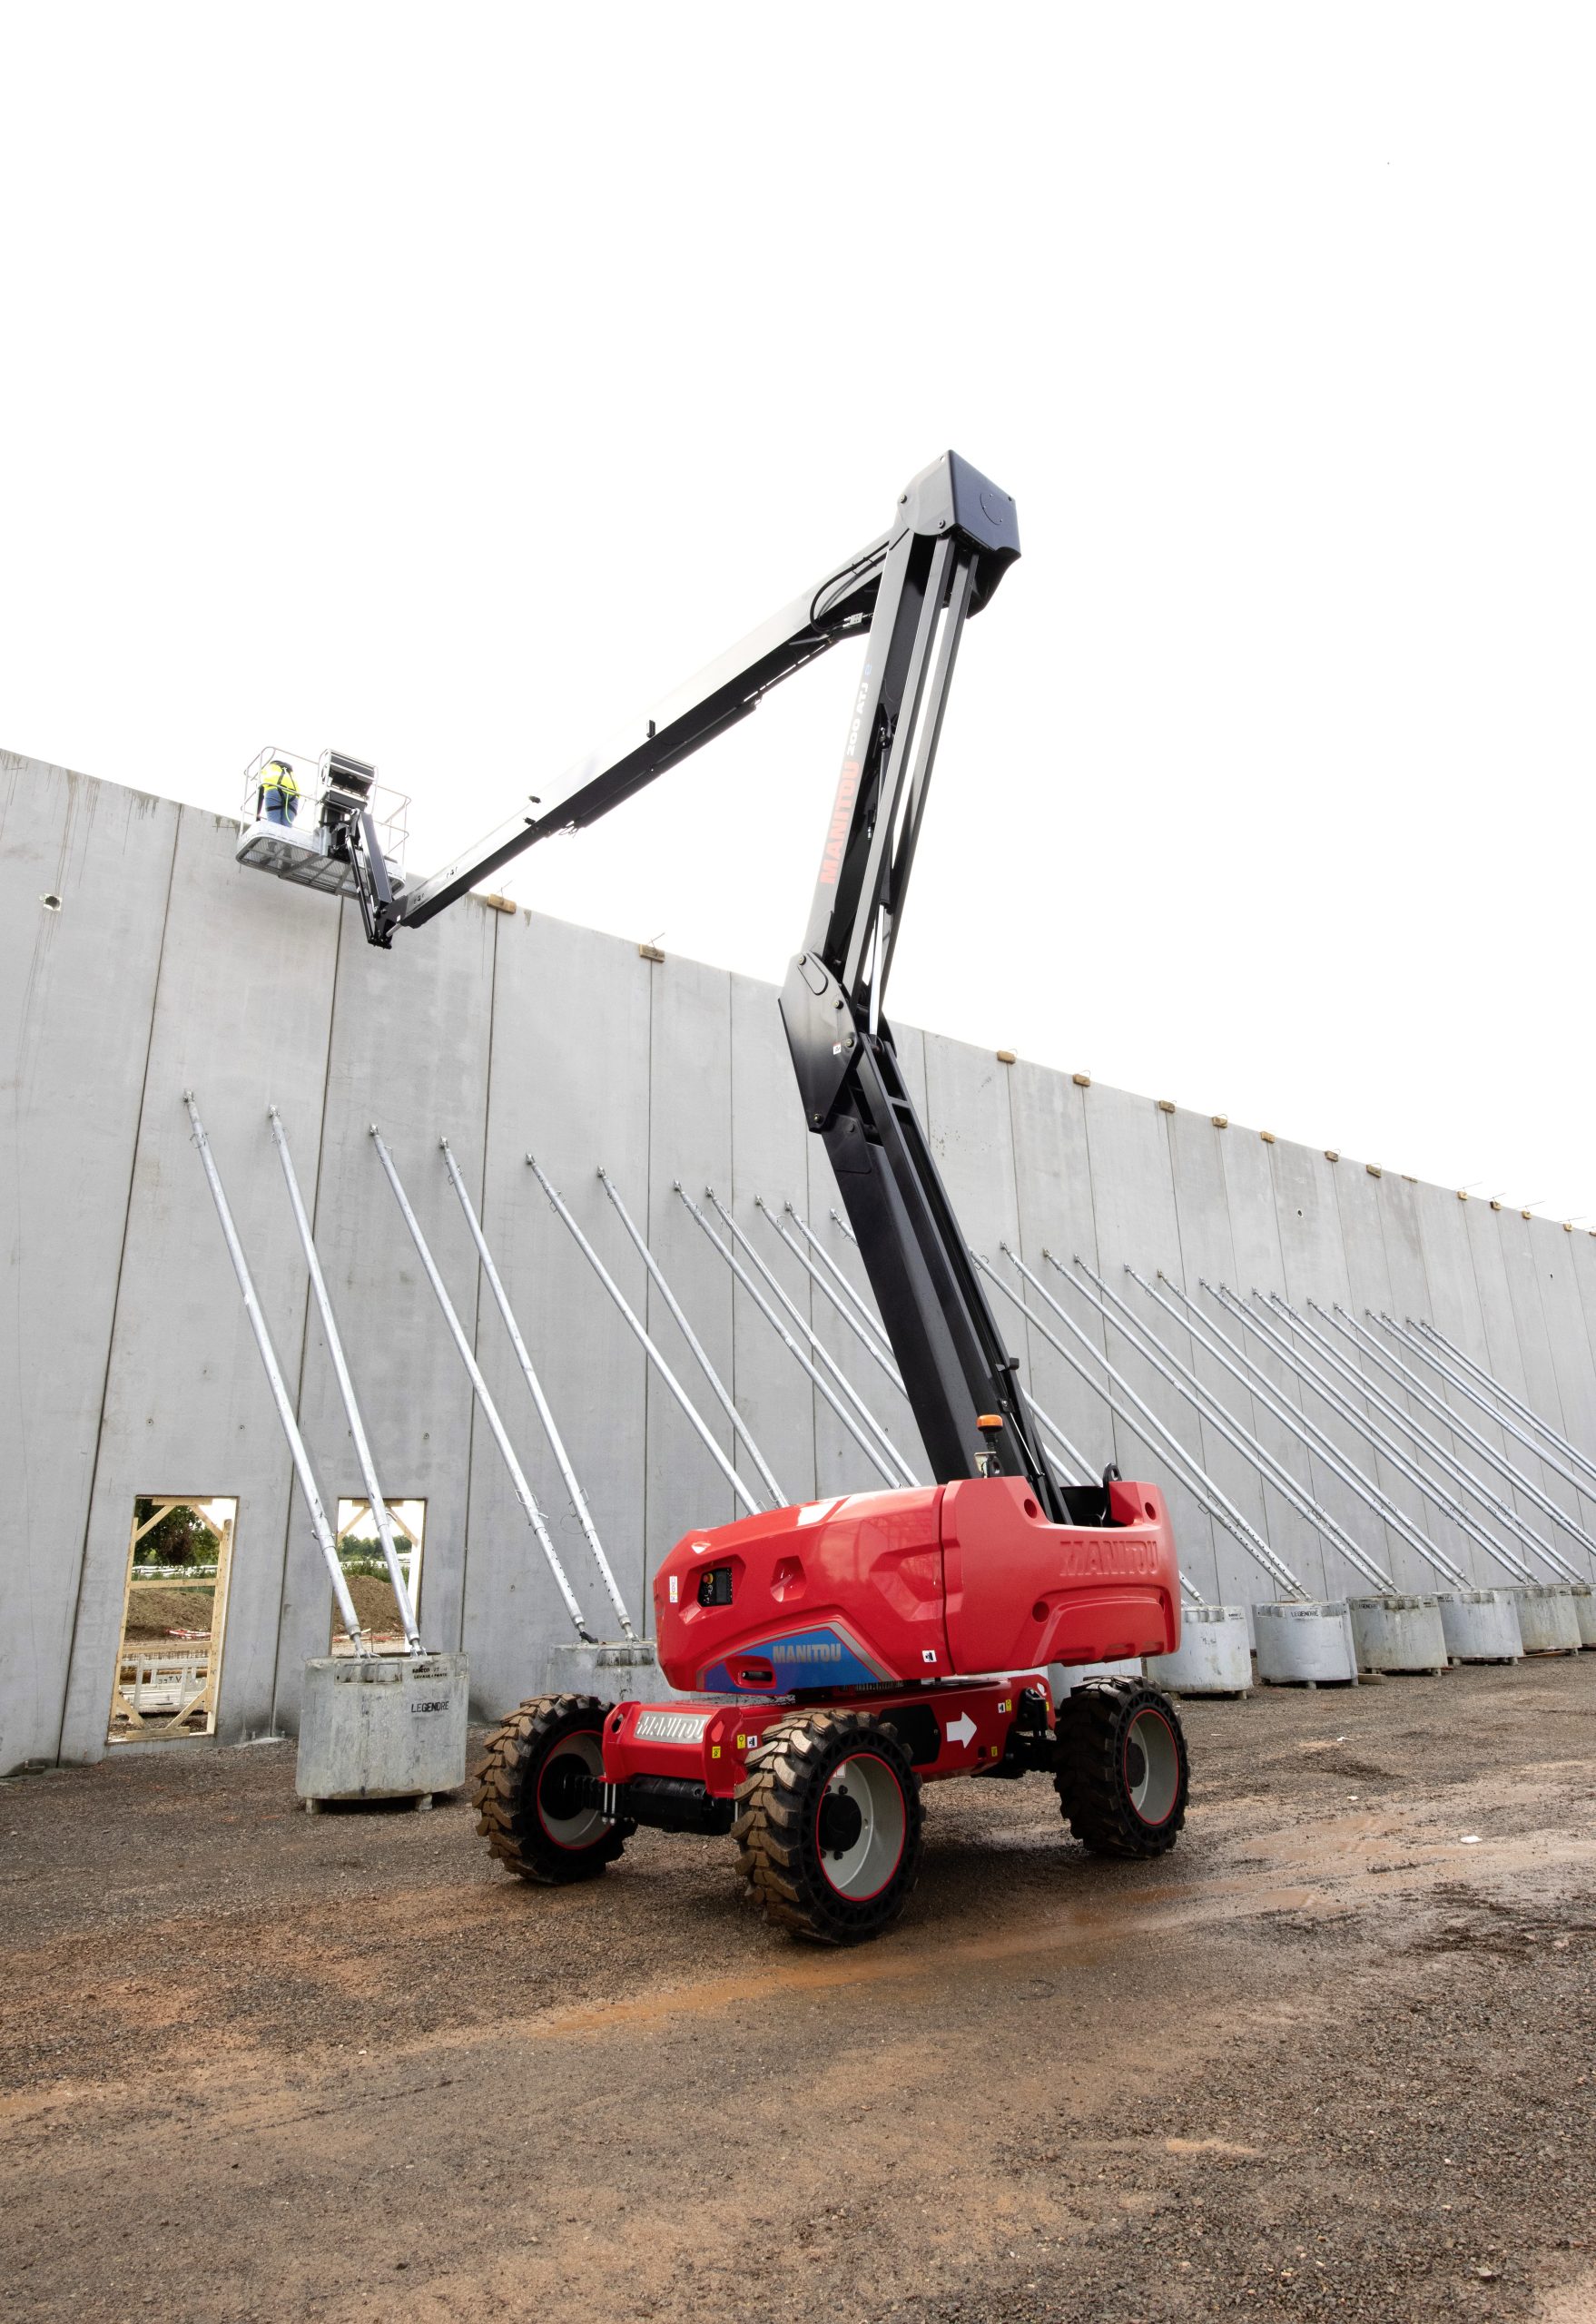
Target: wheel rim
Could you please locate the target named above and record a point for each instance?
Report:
(859, 1827)
(567, 1823)
(1152, 1767)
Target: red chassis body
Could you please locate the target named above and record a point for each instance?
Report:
(949, 1600)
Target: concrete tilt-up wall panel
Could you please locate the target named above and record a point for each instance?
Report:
(1132, 1181)
(1553, 1257)
(1362, 1203)
(1521, 1363)
(1317, 1266)
(689, 1139)
(243, 1013)
(1052, 1185)
(771, 1153)
(409, 1053)
(1402, 1214)
(1455, 1308)
(569, 1082)
(1251, 1216)
(74, 1044)
(1207, 1253)
(1559, 1379)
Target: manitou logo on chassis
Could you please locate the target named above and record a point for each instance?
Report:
(1110, 1557)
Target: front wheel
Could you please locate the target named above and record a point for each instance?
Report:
(533, 1792)
(1121, 1770)
(830, 1826)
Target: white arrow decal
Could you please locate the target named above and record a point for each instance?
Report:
(962, 1729)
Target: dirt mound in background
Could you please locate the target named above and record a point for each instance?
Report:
(154, 1614)
(374, 1603)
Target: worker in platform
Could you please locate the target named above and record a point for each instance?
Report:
(279, 793)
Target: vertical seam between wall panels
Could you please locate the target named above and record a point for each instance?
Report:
(1030, 1359)
(1280, 1241)
(1014, 1173)
(1580, 1303)
(1395, 1548)
(1286, 1379)
(1510, 1491)
(1214, 1530)
(1229, 1230)
(1326, 1587)
(305, 1326)
(732, 1284)
(1546, 1485)
(1346, 1270)
(132, 1171)
(1458, 1544)
(642, 1600)
(810, 1390)
(477, 1318)
(1091, 1195)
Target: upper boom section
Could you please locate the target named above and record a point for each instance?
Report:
(958, 536)
(727, 691)
(949, 494)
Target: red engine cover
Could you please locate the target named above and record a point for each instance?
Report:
(924, 1583)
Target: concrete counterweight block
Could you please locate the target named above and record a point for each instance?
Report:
(1548, 1623)
(381, 1726)
(617, 1671)
(1213, 1657)
(1392, 1632)
(1306, 1642)
(1584, 1599)
(1480, 1625)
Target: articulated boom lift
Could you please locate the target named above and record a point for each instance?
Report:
(861, 1646)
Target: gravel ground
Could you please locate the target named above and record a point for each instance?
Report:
(1334, 2057)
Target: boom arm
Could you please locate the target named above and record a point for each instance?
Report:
(953, 537)
(727, 691)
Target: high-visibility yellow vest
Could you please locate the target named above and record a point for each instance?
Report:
(275, 782)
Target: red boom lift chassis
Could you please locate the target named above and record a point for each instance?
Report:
(845, 1653)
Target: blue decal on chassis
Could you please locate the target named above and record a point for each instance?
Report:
(813, 1658)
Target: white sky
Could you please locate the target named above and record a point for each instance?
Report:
(447, 384)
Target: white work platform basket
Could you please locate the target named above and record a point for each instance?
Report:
(301, 851)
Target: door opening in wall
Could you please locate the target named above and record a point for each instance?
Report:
(359, 1554)
(173, 1614)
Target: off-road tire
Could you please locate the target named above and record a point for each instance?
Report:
(798, 1774)
(1121, 1770)
(518, 1803)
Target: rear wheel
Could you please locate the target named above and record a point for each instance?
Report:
(1122, 1772)
(532, 1790)
(830, 1826)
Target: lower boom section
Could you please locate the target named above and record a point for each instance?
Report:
(823, 1794)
